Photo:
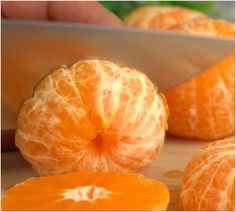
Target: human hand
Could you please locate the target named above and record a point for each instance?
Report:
(69, 11)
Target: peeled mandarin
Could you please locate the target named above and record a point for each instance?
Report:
(157, 17)
(96, 116)
(209, 180)
(202, 108)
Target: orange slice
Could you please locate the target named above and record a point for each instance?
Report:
(87, 191)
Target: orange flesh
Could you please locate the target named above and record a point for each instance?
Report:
(160, 17)
(209, 179)
(202, 108)
(95, 115)
(93, 191)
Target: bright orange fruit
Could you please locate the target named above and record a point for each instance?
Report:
(204, 107)
(206, 26)
(209, 179)
(95, 115)
(155, 17)
(87, 191)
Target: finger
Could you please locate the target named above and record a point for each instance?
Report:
(32, 10)
(83, 12)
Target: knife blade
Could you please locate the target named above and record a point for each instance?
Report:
(30, 50)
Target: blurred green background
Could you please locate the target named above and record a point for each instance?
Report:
(215, 9)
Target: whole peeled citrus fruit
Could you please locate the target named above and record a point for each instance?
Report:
(202, 108)
(95, 115)
(209, 180)
(160, 17)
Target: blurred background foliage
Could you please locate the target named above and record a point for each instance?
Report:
(123, 8)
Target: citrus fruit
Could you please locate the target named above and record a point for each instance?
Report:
(156, 17)
(202, 108)
(206, 26)
(209, 180)
(95, 115)
(87, 191)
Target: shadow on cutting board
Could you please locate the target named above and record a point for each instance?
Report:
(8, 140)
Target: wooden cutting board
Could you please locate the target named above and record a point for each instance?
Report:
(168, 168)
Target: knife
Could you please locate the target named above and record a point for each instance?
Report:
(30, 50)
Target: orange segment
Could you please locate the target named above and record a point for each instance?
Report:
(87, 191)
(95, 115)
(209, 180)
(204, 107)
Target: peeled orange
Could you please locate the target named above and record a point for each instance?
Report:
(156, 17)
(87, 191)
(204, 107)
(209, 179)
(95, 115)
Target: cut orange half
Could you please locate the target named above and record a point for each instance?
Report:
(87, 191)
